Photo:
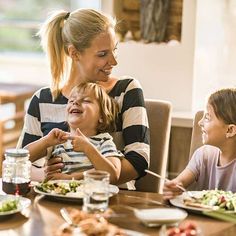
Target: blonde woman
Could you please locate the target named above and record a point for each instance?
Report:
(81, 47)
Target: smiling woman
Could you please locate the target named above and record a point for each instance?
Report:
(86, 39)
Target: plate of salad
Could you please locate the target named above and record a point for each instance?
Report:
(68, 190)
(11, 204)
(207, 200)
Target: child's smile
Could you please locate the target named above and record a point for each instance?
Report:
(83, 112)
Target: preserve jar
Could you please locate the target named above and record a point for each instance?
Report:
(16, 172)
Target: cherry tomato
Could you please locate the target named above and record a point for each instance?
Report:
(173, 231)
(191, 232)
(189, 228)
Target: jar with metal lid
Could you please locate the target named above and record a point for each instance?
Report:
(16, 172)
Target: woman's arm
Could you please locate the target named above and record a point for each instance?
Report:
(135, 133)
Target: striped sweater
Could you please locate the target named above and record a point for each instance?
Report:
(45, 114)
(78, 161)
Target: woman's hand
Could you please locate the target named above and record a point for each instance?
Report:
(53, 169)
(53, 166)
(56, 136)
(171, 190)
(56, 176)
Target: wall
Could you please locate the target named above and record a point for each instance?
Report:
(164, 70)
(215, 49)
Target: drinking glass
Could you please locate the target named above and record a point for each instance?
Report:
(96, 191)
(16, 172)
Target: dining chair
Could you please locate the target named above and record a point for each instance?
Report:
(196, 140)
(159, 118)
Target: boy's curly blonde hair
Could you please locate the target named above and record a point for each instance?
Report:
(108, 106)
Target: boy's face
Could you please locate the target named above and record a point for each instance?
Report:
(213, 129)
(83, 112)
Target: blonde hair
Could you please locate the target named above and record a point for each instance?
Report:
(62, 29)
(223, 102)
(108, 106)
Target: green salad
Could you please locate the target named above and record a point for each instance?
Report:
(62, 188)
(8, 205)
(218, 199)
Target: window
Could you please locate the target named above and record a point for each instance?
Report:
(21, 57)
(20, 20)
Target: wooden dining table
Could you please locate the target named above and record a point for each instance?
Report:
(43, 216)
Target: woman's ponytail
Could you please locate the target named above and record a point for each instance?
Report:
(53, 45)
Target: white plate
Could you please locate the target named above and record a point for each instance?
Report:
(78, 196)
(179, 202)
(133, 233)
(23, 203)
(158, 216)
(127, 231)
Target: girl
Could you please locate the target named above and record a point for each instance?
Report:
(214, 164)
(82, 47)
(90, 114)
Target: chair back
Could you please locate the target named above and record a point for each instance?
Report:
(159, 118)
(196, 140)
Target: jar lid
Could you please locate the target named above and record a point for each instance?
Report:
(16, 152)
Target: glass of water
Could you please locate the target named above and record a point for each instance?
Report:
(96, 191)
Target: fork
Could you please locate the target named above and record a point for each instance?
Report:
(66, 216)
(189, 193)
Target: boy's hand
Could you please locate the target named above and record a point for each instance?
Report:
(56, 136)
(171, 190)
(79, 141)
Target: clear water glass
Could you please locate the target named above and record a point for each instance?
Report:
(96, 191)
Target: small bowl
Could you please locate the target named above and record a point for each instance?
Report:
(158, 216)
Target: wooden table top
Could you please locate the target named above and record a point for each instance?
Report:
(11, 92)
(45, 219)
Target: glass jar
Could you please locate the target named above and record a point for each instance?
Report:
(16, 171)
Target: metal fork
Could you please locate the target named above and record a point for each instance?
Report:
(66, 216)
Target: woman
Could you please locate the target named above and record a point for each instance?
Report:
(81, 47)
